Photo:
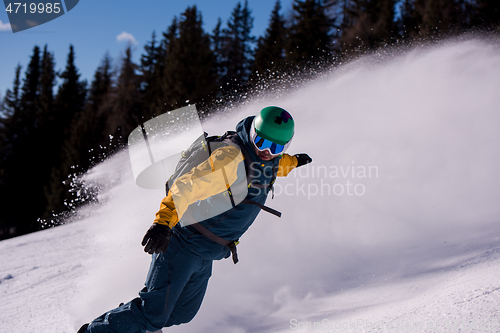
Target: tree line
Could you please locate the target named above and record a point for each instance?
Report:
(49, 133)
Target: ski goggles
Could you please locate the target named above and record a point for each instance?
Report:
(262, 144)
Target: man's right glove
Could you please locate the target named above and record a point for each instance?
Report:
(303, 159)
(157, 238)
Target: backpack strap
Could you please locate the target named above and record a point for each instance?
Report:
(219, 240)
(261, 206)
(232, 137)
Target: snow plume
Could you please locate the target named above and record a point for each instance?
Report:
(395, 222)
(117, 265)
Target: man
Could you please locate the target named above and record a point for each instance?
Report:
(183, 252)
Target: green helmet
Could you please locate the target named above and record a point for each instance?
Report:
(275, 124)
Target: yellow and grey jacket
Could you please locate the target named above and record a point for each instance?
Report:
(201, 195)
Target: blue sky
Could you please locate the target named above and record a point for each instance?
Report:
(95, 27)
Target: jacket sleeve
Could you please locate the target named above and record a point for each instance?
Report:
(287, 164)
(211, 177)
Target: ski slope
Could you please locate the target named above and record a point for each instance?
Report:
(393, 228)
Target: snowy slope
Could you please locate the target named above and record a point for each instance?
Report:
(394, 227)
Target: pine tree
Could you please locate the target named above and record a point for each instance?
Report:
(384, 28)
(248, 40)
(46, 140)
(157, 104)
(126, 112)
(216, 41)
(151, 69)
(87, 135)
(10, 109)
(71, 95)
(47, 82)
(149, 59)
(12, 98)
(436, 17)
(270, 52)
(409, 20)
(345, 17)
(310, 40)
(45, 143)
(68, 107)
(371, 24)
(237, 50)
(488, 15)
(466, 12)
(101, 87)
(189, 71)
(19, 165)
(30, 100)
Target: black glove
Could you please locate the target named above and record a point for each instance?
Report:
(303, 159)
(157, 238)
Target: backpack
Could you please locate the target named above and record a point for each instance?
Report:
(197, 153)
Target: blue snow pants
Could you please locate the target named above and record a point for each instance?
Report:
(175, 286)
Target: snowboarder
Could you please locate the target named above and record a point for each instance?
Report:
(182, 256)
